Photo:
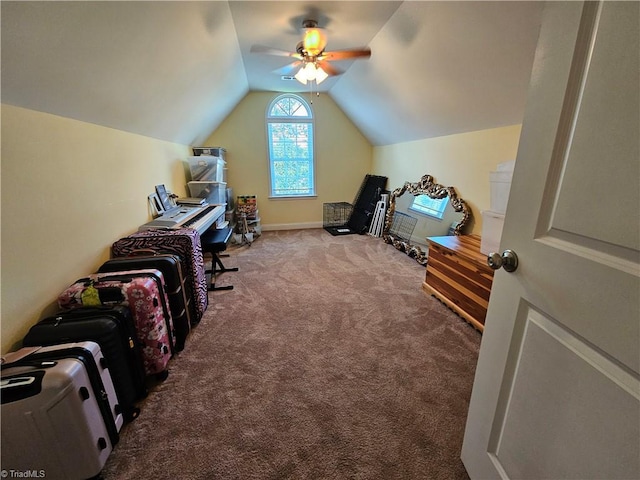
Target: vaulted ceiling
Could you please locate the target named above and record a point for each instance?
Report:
(175, 70)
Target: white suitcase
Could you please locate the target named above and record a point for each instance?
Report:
(59, 411)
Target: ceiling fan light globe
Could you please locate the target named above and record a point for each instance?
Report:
(321, 75)
(301, 76)
(308, 72)
(314, 41)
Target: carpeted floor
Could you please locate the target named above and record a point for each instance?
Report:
(326, 361)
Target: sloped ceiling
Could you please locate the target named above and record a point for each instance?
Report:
(175, 70)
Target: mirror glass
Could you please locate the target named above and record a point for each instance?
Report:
(420, 210)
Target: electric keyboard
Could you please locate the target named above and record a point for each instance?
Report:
(203, 220)
(197, 218)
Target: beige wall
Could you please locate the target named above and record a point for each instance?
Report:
(462, 161)
(69, 189)
(343, 158)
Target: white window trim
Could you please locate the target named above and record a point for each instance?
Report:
(437, 216)
(310, 119)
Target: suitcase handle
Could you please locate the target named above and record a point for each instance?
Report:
(13, 357)
(99, 281)
(19, 387)
(111, 295)
(142, 251)
(80, 309)
(105, 294)
(16, 382)
(25, 362)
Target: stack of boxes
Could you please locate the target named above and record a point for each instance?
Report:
(208, 177)
(493, 219)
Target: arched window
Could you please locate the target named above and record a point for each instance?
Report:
(291, 151)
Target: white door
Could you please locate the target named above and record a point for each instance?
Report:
(557, 389)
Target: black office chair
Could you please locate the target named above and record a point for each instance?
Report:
(214, 241)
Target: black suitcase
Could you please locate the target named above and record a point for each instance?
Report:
(175, 285)
(113, 329)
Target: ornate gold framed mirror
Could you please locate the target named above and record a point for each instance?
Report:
(420, 210)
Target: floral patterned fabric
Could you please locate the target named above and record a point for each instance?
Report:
(147, 302)
(184, 242)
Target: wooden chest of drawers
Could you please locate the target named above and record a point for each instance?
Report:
(458, 275)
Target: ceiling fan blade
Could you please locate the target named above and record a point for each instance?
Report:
(329, 69)
(273, 51)
(364, 52)
(288, 69)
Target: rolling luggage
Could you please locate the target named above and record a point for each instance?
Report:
(176, 287)
(58, 415)
(185, 243)
(113, 329)
(143, 292)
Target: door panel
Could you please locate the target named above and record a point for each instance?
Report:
(524, 447)
(598, 137)
(557, 388)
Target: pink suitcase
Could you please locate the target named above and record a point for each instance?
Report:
(180, 302)
(142, 291)
(185, 243)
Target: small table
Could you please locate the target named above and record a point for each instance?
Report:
(458, 275)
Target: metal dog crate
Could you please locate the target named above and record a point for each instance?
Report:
(336, 214)
(402, 226)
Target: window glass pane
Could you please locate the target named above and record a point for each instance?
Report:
(290, 140)
(299, 111)
(292, 177)
(288, 107)
(277, 111)
(291, 152)
(429, 206)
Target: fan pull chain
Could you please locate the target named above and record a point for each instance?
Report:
(311, 92)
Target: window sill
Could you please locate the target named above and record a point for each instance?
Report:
(425, 214)
(292, 197)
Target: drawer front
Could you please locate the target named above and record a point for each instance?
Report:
(466, 284)
(478, 277)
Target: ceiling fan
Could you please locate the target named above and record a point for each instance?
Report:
(312, 62)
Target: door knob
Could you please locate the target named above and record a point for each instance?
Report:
(508, 260)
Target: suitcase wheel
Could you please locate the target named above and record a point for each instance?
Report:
(131, 414)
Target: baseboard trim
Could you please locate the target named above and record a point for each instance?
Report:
(291, 226)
